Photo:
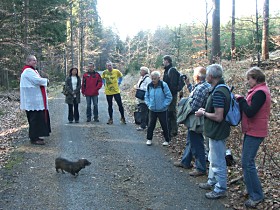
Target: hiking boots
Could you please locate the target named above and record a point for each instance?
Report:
(205, 186)
(196, 173)
(110, 121)
(179, 164)
(123, 120)
(252, 204)
(215, 195)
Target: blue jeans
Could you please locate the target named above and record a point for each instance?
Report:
(218, 168)
(195, 147)
(250, 148)
(94, 100)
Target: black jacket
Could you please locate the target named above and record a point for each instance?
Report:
(171, 78)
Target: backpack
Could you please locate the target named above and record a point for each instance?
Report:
(161, 85)
(181, 82)
(233, 116)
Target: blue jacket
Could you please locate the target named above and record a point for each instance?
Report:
(159, 98)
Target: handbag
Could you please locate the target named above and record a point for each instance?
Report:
(64, 91)
(140, 94)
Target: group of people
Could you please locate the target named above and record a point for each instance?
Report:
(89, 86)
(206, 108)
(34, 100)
(160, 101)
(204, 114)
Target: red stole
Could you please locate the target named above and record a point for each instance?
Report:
(43, 90)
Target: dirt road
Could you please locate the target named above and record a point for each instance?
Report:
(124, 174)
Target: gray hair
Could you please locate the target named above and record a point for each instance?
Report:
(215, 70)
(145, 69)
(29, 58)
(91, 63)
(155, 73)
(109, 63)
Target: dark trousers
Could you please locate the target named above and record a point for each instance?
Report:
(39, 124)
(162, 116)
(144, 114)
(172, 116)
(73, 113)
(118, 99)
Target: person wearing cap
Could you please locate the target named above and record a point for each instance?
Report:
(142, 84)
(91, 84)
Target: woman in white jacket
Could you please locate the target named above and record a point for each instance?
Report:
(142, 85)
(34, 100)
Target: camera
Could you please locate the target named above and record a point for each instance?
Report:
(184, 76)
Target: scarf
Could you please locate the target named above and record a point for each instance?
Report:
(43, 90)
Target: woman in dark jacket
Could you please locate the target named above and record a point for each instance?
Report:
(73, 96)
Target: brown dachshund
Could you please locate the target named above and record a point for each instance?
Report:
(69, 166)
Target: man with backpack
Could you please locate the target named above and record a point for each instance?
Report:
(171, 77)
(218, 130)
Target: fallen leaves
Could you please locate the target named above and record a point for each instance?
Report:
(12, 124)
(268, 157)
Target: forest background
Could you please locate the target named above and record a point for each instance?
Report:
(67, 33)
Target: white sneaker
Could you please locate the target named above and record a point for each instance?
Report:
(165, 143)
(149, 142)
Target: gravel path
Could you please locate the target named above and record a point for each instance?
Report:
(124, 174)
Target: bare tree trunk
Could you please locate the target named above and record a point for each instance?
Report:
(82, 34)
(26, 12)
(216, 43)
(257, 34)
(265, 53)
(233, 48)
(65, 61)
(72, 34)
(178, 39)
(205, 29)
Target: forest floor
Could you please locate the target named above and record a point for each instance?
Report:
(125, 173)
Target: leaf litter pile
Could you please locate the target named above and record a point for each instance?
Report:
(13, 124)
(13, 129)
